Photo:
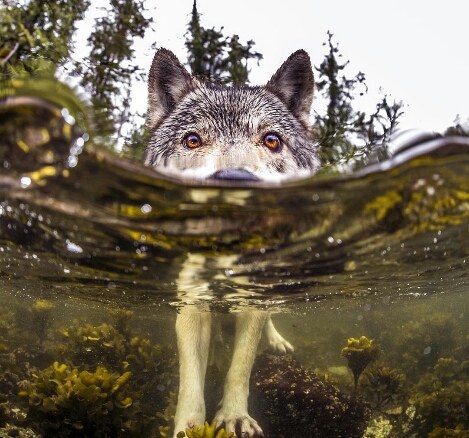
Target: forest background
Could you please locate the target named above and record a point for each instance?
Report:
(37, 39)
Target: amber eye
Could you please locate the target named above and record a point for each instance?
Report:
(192, 140)
(272, 141)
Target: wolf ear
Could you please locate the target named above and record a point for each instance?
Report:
(293, 83)
(168, 82)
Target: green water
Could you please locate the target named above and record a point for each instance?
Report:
(92, 246)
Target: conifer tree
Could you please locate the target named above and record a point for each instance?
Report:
(111, 68)
(36, 36)
(344, 133)
(215, 57)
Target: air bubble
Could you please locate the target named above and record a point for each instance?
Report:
(25, 181)
(146, 208)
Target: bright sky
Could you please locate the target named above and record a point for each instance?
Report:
(415, 50)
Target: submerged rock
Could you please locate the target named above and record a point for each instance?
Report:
(290, 401)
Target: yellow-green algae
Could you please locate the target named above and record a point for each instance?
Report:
(425, 204)
(103, 380)
(205, 431)
(419, 383)
(441, 432)
(360, 353)
(84, 400)
(383, 386)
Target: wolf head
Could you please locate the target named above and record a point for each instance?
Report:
(200, 130)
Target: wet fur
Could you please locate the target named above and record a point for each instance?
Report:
(231, 123)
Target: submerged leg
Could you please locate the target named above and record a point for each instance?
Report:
(277, 343)
(193, 339)
(234, 405)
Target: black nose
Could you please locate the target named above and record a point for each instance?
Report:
(234, 175)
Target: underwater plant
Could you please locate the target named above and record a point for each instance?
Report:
(41, 317)
(7, 326)
(424, 341)
(440, 432)
(72, 361)
(91, 345)
(360, 353)
(33, 322)
(153, 366)
(441, 398)
(206, 431)
(155, 370)
(65, 401)
(384, 385)
(121, 321)
(291, 401)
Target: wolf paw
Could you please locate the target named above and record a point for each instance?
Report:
(278, 344)
(187, 419)
(246, 424)
(281, 347)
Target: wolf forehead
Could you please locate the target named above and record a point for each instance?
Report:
(230, 113)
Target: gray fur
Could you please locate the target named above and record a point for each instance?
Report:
(231, 122)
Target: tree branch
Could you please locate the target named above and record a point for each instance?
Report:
(12, 52)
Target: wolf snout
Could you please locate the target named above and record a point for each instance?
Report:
(234, 175)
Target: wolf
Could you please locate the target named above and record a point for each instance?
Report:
(201, 131)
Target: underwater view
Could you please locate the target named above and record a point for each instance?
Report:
(363, 272)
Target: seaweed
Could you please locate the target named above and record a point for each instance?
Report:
(441, 398)
(290, 401)
(80, 355)
(91, 345)
(65, 401)
(424, 341)
(360, 353)
(440, 432)
(383, 386)
(153, 366)
(41, 317)
(418, 388)
(205, 431)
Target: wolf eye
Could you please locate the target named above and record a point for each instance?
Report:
(272, 141)
(192, 140)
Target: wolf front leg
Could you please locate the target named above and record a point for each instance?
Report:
(193, 339)
(234, 405)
